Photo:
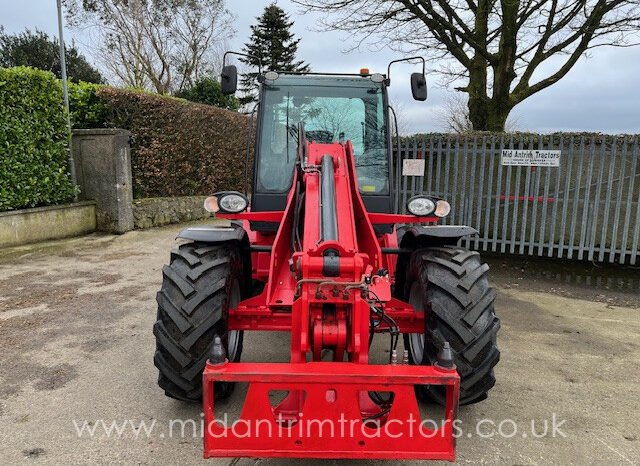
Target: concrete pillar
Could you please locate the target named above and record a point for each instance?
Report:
(103, 168)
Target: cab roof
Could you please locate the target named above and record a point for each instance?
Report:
(321, 79)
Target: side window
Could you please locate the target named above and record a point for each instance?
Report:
(372, 164)
(277, 148)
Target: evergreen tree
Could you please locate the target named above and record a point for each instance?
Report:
(37, 50)
(274, 44)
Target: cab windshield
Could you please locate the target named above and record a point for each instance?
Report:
(333, 109)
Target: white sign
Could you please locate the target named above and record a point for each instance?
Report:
(531, 158)
(413, 167)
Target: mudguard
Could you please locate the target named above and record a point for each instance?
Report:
(419, 236)
(215, 234)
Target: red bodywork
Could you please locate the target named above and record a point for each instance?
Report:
(328, 312)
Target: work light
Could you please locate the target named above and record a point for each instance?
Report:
(421, 206)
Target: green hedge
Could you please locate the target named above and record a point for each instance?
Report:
(33, 140)
(87, 109)
(179, 148)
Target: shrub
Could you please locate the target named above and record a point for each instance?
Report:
(180, 148)
(87, 109)
(208, 91)
(33, 140)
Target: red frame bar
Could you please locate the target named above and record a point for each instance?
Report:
(262, 321)
(270, 216)
(399, 218)
(332, 393)
(261, 317)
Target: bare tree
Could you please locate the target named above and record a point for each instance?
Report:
(161, 45)
(453, 116)
(496, 46)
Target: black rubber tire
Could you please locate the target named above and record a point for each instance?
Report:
(453, 280)
(197, 287)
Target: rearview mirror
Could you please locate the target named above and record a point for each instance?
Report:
(419, 86)
(229, 79)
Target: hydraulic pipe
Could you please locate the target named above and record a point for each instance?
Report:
(328, 216)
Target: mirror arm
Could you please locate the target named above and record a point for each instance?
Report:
(230, 52)
(388, 80)
(246, 163)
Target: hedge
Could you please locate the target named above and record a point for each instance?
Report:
(33, 140)
(179, 148)
(87, 109)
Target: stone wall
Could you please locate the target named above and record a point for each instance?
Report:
(158, 211)
(46, 223)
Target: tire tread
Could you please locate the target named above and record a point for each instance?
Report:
(462, 304)
(191, 307)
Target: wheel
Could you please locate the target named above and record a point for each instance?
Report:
(199, 286)
(453, 281)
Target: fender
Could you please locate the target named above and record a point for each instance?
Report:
(215, 234)
(419, 236)
(222, 234)
(422, 236)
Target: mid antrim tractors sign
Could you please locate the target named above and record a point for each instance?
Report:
(531, 158)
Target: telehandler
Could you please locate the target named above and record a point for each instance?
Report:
(317, 250)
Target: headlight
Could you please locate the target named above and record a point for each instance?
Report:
(442, 208)
(421, 206)
(228, 202)
(232, 202)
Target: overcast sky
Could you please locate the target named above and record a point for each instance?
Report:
(601, 93)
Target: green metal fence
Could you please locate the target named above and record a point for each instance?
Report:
(586, 208)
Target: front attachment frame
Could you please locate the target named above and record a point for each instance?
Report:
(325, 394)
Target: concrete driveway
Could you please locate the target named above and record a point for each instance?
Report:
(76, 350)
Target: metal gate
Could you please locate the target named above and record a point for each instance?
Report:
(587, 208)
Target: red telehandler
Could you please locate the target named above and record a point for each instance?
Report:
(317, 252)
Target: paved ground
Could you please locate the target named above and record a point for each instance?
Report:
(76, 345)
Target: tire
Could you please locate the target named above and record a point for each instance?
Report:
(454, 282)
(199, 285)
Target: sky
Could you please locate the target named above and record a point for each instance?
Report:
(601, 93)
